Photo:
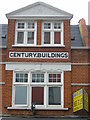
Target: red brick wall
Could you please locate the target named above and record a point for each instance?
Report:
(8, 75)
(80, 56)
(39, 29)
(3, 55)
(67, 90)
(7, 98)
(80, 72)
(11, 33)
(0, 99)
(6, 89)
(0, 89)
(11, 36)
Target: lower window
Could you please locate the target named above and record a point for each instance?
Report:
(54, 97)
(45, 90)
(20, 95)
(38, 95)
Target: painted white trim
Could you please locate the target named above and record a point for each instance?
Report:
(45, 85)
(62, 63)
(2, 83)
(38, 67)
(41, 46)
(58, 12)
(14, 84)
(80, 84)
(52, 30)
(80, 47)
(22, 108)
(25, 30)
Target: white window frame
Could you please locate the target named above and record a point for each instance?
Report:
(26, 30)
(52, 30)
(46, 84)
(19, 84)
(56, 84)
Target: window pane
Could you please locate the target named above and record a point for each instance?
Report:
(54, 77)
(47, 25)
(21, 25)
(57, 26)
(20, 37)
(57, 37)
(30, 38)
(36, 77)
(21, 77)
(58, 77)
(17, 77)
(25, 78)
(38, 95)
(46, 37)
(31, 25)
(54, 96)
(20, 95)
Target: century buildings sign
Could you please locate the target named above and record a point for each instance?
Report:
(60, 55)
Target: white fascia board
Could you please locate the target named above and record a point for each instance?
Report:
(38, 66)
(42, 17)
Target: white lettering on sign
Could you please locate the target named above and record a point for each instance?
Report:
(61, 55)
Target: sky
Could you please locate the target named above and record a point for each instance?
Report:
(79, 8)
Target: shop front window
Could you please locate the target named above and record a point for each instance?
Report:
(43, 89)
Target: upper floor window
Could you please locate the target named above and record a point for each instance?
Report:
(25, 33)
(52, 33)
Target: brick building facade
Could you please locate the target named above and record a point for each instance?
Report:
(44, 62)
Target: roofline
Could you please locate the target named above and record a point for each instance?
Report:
(43, 17)
(10, 15)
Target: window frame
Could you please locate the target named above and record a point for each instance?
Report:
(20, 105)
(52, 30)
(26, 30)
(56, 84)
(48, 95)
(46, 84)
(19, 84)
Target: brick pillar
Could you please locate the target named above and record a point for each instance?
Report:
(39, 28)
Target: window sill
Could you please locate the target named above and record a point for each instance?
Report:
(25, 108)
(38, 46)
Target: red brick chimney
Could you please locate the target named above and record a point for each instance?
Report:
(84, 32)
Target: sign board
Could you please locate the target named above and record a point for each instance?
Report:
(50, 55)
(80, 100)
(86, 101)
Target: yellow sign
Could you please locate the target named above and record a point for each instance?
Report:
(78, 100)
(86, 101)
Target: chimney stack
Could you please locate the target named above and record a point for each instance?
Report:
(84, 32)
